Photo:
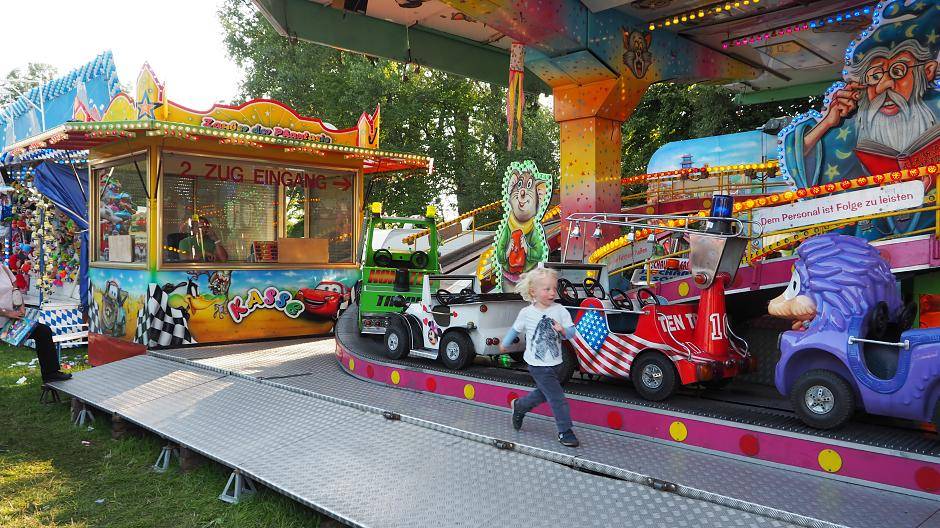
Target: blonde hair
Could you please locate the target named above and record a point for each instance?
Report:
(530, 279)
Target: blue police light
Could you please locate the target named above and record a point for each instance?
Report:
(722, 205)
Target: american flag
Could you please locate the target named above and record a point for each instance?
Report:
(599, 351)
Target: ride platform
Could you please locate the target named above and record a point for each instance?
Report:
(443, 453)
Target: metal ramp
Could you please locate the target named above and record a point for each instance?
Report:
(285, 415)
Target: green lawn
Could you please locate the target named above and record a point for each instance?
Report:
(55, 474)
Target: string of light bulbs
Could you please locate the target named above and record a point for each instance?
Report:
(806, 25)
(705, 11)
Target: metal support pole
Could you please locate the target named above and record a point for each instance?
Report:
(163, 461)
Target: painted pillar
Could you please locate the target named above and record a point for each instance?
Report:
(590, 118)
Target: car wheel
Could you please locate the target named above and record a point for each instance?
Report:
(518, 357)
(822, 399)
(569, 364)
(357, 292)
(654, 376)
(397, 339)
(456, 350)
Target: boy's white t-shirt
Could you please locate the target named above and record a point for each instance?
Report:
(542, 342)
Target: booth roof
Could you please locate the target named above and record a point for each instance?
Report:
(89, 135)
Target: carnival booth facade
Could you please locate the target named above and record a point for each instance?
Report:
(237, 223)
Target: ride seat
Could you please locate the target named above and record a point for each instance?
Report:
(623, 323)
(881, 360)
(442, 315)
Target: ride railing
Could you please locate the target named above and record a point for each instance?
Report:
(482, 219)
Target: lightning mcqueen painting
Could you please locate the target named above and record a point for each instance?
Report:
(326, 301)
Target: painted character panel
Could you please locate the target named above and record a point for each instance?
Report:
(884, 116)
(520, 239)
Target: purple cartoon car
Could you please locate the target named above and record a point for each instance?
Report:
(852, 343)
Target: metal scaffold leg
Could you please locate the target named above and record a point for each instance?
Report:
(49, 395)
(238, 486)
(163, 461)
(81, 413)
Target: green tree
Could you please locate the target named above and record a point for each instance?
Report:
(459, 122)
(20, 80)
(672, 112)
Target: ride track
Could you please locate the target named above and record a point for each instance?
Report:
(905, 460)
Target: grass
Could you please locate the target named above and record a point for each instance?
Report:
(54, 474)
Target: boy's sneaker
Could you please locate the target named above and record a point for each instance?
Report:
(568, 439)
(516, 417)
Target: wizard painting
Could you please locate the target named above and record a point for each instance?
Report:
(883, 117)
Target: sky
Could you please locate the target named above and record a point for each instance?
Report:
(181, 39)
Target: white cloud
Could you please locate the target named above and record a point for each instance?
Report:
(181, 39)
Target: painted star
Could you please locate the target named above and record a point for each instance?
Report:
(832, 172)
(932, 36)
(145, 107)
(843, 133)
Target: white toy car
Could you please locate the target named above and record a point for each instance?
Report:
(455, 323)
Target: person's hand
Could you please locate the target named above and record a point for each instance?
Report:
(19, 313)
(843, 103)
(502, 349)
(557, 326)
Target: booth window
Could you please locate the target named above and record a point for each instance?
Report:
(213, 211)
(122, 211)
(229, 210)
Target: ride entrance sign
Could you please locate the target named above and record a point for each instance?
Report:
(855, 204)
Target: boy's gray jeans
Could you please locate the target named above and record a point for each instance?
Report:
(547, 389)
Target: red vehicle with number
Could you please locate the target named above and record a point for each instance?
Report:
(660, 347)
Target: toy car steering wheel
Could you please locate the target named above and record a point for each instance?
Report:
(419, 260)
(444, 297)
(651, 298)
(567, 292)
(383, 258)
(591, 286)
(619, 299)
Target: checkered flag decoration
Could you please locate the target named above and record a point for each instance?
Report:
(61, 321)
(165, 326)
(93, 325)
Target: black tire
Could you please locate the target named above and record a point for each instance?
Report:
(357, 292)
(518, 357)
(717, 384)
(818, 381)
(660, 381)
(419, 260)
(382, 258)
(461, 350)
(569, 363)
(397, 339)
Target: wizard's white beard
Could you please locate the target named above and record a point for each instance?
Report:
(900, 130)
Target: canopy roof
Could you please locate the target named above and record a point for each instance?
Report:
(260, 123)
(472, 37)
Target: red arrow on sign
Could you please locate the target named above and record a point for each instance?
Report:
(344, 184)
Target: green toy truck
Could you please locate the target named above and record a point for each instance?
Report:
(390, 279)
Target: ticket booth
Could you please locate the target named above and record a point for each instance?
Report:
(237, 223)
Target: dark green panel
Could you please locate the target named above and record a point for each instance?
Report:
(359, 33)
(782, 94)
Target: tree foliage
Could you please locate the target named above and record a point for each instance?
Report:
(459, 122)
(21, 80)
(672, 112)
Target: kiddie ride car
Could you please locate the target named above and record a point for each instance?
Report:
(661, 346)
(390, 279)
(852, 343)
(454, 324)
